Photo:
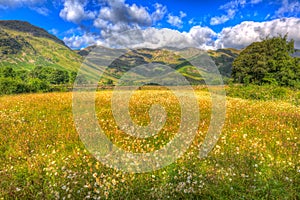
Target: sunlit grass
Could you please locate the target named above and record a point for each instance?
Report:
(42, 157)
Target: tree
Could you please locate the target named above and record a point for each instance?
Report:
(269, 61)
(73, 76)
(58, 76)
(51, 75)
(12, 86)
(37, 85)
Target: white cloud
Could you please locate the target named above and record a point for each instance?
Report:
(120, 12)
(84, 40)
(238, 36)
(268, 16)
(231, 8)
(200, 37)
(159, 13)
(74, 11)
(41, 10)
(255, 1)
(19, 3)
(288, 8)
(192, 21)
(36, 5)
(119, 17)
(247, 32)
(116, 17)
(53, 31)
(224, 18)
(176, 20)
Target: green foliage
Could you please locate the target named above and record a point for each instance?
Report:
(38, 85)
(109, 82)
(53, 76)
(6, 72)
(268, 62)
(58, 76)
(72, 77)
(12, 86)
(40, 79)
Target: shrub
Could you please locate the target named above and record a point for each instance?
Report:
(37, 85)
(12, 86)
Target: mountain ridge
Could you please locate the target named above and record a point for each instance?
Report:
(25, 46)
(26, 27)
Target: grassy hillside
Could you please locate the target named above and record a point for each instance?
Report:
(223, 59)
(24, 46)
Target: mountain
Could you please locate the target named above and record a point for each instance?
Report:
(24, 46)
(223, 59)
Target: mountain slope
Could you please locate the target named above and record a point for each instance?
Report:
(25, 46)
(223, 59)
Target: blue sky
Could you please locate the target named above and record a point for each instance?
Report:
(205, 24)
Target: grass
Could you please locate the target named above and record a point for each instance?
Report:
(42, 157)
(265, 93)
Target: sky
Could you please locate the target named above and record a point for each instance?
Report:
(176, 23)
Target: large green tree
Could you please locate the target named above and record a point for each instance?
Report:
(269, 61)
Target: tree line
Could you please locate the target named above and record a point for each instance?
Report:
(40, 79)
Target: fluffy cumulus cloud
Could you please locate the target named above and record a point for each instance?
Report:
(79, 41)
(117, 17)
(176, 20)
(19, 3)
(245, 33)
(238, 36)
(74, 11)
(200, 37)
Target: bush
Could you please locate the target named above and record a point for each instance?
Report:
(13, 86)
(37, 85)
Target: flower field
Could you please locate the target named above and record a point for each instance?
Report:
(42, 157)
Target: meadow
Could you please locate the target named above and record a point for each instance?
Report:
(42, 156)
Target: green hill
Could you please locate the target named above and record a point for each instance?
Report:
(223, 58)
(24, 46)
